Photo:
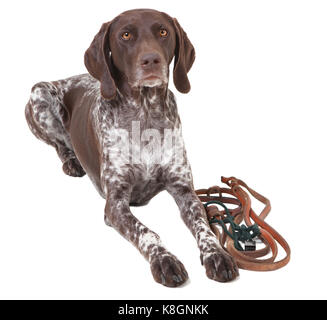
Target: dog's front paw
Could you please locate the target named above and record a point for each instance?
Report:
(168, 270)
(220, 266)
(73, 168)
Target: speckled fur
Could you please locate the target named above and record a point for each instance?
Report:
(124, 182)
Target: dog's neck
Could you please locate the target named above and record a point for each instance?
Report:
(149, 97)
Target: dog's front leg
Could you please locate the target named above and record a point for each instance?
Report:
(165, 267)
(219, 265)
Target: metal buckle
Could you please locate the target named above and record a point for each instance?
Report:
(249, 245)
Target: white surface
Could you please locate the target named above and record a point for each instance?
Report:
(257, 110)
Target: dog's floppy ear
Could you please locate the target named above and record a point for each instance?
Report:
(184, 58)
(96, 59)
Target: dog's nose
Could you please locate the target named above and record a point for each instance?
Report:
(150, 59)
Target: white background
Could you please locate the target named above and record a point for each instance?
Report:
(257, 110)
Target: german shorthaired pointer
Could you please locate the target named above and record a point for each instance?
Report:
(95, 121)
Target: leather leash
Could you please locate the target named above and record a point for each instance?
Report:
(256, 227)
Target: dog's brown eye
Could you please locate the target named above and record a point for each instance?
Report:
(163, 33)
(126, 35)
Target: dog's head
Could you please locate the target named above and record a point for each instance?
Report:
(140, 44)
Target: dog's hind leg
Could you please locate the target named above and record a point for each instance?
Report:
(45, 115)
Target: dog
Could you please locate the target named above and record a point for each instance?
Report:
(94, 121)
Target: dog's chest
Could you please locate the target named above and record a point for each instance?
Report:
(138, 141)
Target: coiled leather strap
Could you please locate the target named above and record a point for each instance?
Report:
(238, 195)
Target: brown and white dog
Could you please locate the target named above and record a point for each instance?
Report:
(119, 125)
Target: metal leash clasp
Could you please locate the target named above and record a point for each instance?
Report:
(249, 245)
